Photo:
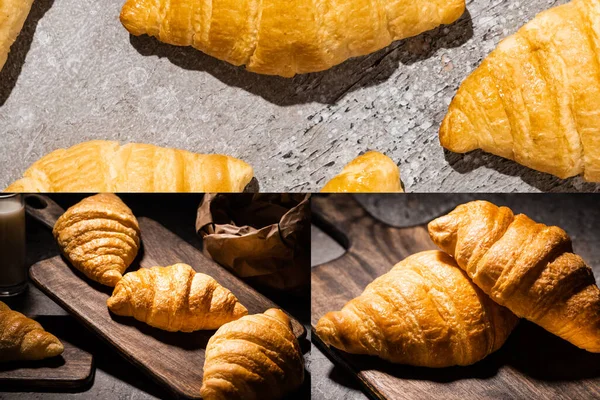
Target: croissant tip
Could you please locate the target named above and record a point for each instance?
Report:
(239, 310)
(208, 392)
(456, 132)
(114, 304)
(277, 314)
(111, 278)
(326, 330)
(117, 303)
(55, 349)
(438, 225)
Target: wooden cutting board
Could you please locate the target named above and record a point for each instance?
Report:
(176, 359)
(532, 364)
(73, 369)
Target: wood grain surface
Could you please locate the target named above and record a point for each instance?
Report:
(532, 364)
(173, 359)
(73, 369)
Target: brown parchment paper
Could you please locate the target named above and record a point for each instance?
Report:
(264, 238)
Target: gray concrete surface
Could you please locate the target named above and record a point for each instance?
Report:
(75, 74)
(577, 214)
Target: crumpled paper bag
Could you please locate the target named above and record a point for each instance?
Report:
(264, 238)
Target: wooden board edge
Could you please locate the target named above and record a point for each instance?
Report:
(55, 383)
(52, 384)
(333, 355)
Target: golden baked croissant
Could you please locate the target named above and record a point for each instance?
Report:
(99, 236)
(535, 99)
(371, 172)
(525, 266)
(175, 298)
(284, 38)
(104, 166)
(22, 338)
(424, 312)
(255, 357)
(13, 14)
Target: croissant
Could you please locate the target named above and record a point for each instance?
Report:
(536, 98)
(371, 172)
(99, 236)
(13, 14)
(104, 166)
(525, 266)
(255, 357)
(284, 38)
(175, 298)
(22, 338)
(424, 312)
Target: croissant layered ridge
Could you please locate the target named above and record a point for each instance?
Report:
(99, 236)
(370, 172)
(22, 338)
(536, 98)
(106, 166)
(175, 298)
(526, 266)
(255, 357)
(424, 312)
(286, 37)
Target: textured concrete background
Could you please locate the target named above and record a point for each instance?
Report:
(577, 214)
(75, 74)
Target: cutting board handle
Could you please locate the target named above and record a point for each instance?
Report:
(43, 209)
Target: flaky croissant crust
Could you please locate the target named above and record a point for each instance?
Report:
(370, 172)
(536, 98)
(99, 236)
(22, 338)
(254, 358)
(105, 166)
(424, 312)
(526, 266)
(175, 298)
(284, 38)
